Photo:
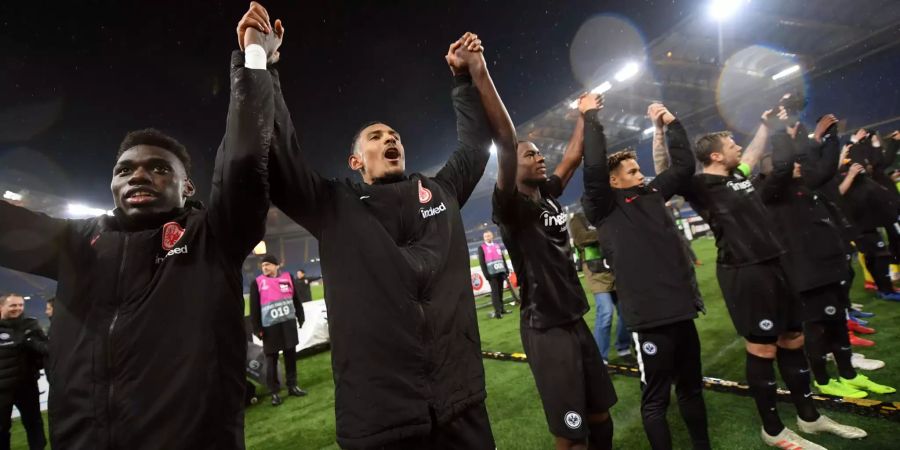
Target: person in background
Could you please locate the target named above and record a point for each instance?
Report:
(23, 347)
(48, 310)
(302, 286)
(602, 283)
(495, 270)
(276, 313)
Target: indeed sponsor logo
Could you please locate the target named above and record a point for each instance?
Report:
(433, 211)
(183, 250)
(745, 185)
(554, 220)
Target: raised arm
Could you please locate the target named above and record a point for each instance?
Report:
(773, 186)
(852, 173)
(480, 117)
(31, 242)
(572, 157)
(757, 146)
(678, 175)
(819, 167)
(239, 201)
(660, 152)
(890, 145)
(599, 198)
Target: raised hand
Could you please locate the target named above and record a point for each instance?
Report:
(822, 127)
(659, 115)
(588, 102)
(465, 54)
(255, 28)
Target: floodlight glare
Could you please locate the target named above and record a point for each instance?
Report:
(602, 88)
(10, 195)
(722, 10)
(786, 72)
(493, 148)
(631, 69)
(649, 131)
(78, 209)
(260, 248)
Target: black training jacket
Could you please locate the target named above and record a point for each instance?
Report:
(148, 347)
(654, 274)
(816, 252)
(23, 346)
(401, 312)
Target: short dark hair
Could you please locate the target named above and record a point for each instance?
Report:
(708, 144)
(5, 297)
(359, 132)
(156, 138)
(615, 160)
(51, 300)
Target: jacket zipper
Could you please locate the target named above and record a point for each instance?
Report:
(109, 353)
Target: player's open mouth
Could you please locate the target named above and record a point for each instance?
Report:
(140, 196)
(392, 154)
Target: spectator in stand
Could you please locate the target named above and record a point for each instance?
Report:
(602, 283)
(275, 313)
(302, 286)
(23, 347)
(496, 272)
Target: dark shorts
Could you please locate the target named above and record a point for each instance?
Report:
(570, 375)
(760, 300)
(824, 303)
(870, 243)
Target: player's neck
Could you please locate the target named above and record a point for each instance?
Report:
(529, 190)
(716, 169)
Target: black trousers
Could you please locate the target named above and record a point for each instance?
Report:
(496, 282)
(667, 355)
(26, 398)
(290, 370)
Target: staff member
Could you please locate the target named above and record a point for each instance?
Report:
(493, 266)
(302, 286)
(275, 313)
(23, 347)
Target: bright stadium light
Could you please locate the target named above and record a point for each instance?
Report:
(77, 209)
(721, 10)
(260, 248)
(786, 72)
(493, 148)
(631, 69)
(602, 88)
(10, 195)
(649, 131)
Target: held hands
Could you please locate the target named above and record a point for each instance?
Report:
(255, 28)
(855, 170)
(465, 55)
(822, 127)
(659, 115)
(588, 102)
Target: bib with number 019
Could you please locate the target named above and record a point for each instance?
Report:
(276, 299)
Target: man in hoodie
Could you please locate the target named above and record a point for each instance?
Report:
(406, 353)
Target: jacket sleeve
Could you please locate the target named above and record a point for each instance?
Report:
(599, 199)
(466, 166)
(36, 340)
(678, 175)
(580, 232)
(255, 309)
(481, 261)
(774, 185)
(239, 201)
(298, 305)
(820, 167)
(31, 242)
(296, 189)
(889, 148)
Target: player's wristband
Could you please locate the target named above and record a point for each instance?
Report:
(744, 168)
(255, 57)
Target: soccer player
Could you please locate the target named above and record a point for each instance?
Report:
(816, 258)
(638, 233)
(406, 353)
(148, 347)
(762, 305)
(571, 377)
(493, 266)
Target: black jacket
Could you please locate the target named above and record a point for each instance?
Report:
(654, 274)
(22, 349)
(279, 336)
(401, 314)
(816, 253)
(148, 347)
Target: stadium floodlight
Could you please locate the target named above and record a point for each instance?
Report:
(631, 69)
(493, 148)
(786, 72)
(649, 131)
(602, 88)
(721, 10)
(27, 297)
(12, 196)
(260, 248)
(78, 209)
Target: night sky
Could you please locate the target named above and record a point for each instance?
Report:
(76, 76)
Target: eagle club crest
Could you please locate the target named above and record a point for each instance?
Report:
(424, 194)
(171, 234)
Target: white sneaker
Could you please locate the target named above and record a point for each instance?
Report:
(825, 425)
(788, 440)
(861, 362)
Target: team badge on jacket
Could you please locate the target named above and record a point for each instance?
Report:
(424, 194)
(171, 234)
